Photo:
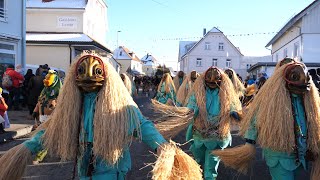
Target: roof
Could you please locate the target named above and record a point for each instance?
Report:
(63, 4)
(213, 30)
(259, 64)
(130, 53)
(184, 47)
(148, 58)
(292, 21)
(63, 38)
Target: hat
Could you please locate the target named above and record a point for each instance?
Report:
(250, 90)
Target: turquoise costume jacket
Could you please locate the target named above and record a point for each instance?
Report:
(163, 97)
(287, 161)
(103, 170)
(213, 111)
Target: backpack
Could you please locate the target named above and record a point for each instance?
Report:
(6, 81)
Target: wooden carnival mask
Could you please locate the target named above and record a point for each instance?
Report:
(51, 78)
(286, 61)
(122, 77)
(181, 74)
(297, 78)
(229, 73)
(194, 76)
(90, 73)
(212, 78)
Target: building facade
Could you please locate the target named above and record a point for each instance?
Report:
(214, 49)
(300, 37)
(58, 31)
(129, 61)
(150, 64)
(12, 33)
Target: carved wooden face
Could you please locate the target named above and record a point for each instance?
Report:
(122, 77)
(229, 73)
(181, 74)
(212, 78)
(194, 76)
(286, 61)
(297, 78)
(90, 73)
(51, 78)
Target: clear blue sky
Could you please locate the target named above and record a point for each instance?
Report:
(146, 25)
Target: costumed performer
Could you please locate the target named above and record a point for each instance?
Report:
(238, 85)
(185, 88)
(128, 84)
(166, 93)
(178, 79)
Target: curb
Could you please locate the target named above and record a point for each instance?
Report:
(10, 135)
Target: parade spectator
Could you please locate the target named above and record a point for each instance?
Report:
(3, 109)
(14, 91)
(315, 77)
(25, 91)
(35, 87)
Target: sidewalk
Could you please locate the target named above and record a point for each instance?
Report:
(19, 125)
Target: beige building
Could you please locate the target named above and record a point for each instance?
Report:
(150, 64)
(130, 62)
(57, 31)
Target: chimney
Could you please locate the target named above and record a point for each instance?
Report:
(204, 31)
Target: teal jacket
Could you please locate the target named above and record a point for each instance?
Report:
(163, 97)
(102, 170)
(213, 111)
(287, 161)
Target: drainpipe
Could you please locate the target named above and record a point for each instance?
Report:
(23, 38)
(70, 56)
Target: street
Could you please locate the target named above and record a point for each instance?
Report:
(52, 169)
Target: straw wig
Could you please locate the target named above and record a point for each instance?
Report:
(114, 114)
(228, 99)
(176, 80)
(166, 78)
(127, 82)
(182, 94)
(238, 85)
(274, 116)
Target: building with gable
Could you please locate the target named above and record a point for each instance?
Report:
(59, 30)
(300, 37)
(214, 49)
(129, 61)
(12, 33)
(150, 64)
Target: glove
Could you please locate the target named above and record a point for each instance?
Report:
(235, 115)
(35, 115)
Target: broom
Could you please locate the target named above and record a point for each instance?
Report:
(238, 158)
(13, 163)
(174, 164)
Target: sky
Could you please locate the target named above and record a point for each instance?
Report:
(155, 26)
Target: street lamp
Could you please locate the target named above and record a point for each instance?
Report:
(118, 38)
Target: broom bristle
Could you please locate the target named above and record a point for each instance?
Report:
(315, 175)
(171, 126)
(174, 164)
(238, 158)
(169, 110)
(14, 162)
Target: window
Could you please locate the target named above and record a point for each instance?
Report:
(120, 54)
(207, 46)
(2, 10)
(214, 62)
(228, 63)
(199, 62)
(285, 52)
(277, 57)
(296, 50)
(220, 46)
(248, 66)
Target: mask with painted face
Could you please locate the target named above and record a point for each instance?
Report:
(90, 73)
(229, 73)
(297, 78)
(286, 61)
(194, 76)
(181, 74)
(51, 78)
(212, 78)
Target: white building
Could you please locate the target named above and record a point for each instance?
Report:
(300, 37)
(58, 30)
(129, 61)
(12, 33)
(150, 64)
(214, 49)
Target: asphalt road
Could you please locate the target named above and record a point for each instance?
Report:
(53, 169)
